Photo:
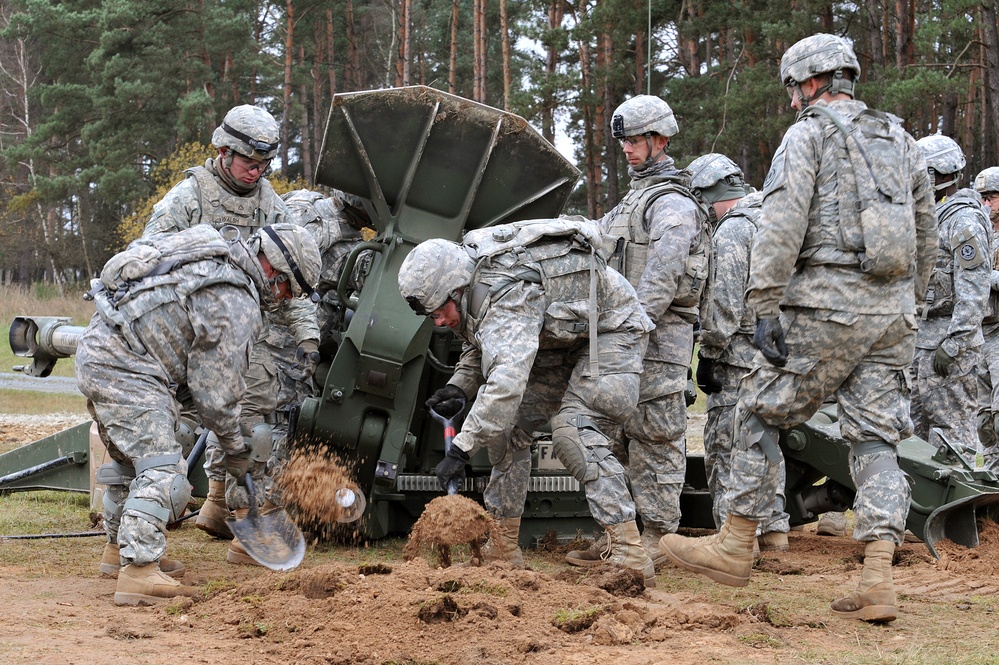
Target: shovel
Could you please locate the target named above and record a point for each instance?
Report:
(449, 432)
(273, 540)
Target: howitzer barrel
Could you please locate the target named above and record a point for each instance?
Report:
(45, 339)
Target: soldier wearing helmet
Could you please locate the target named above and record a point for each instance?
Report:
(845, 246)
(538, 348)
(949, 342)
(664, 242)
(987, 186)
(174, 335)
(230, 190)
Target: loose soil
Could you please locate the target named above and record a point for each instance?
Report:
(367, 604)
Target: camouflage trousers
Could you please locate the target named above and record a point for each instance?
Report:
(948, 403)
(718, 435)
(655, 446)
(559, 383)
(988, 400)
(859, 359)
(274, 381)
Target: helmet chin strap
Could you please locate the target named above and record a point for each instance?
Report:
(652, 159)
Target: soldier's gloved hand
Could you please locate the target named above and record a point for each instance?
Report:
(942, 361)
(447, 401)
(452, 467)
(690, 392)
(308, 351)
(769, 339)
(237, 464)
(707, 381)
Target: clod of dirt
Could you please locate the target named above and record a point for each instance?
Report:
(310, 482)
(319, 583)
(575, 621)
(447, 521)
(126, 633)
(374, 569)
(777, 567)
(441, 609)
(623, 582)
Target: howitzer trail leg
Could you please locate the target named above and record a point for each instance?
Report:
(726, 557)
(874, 599)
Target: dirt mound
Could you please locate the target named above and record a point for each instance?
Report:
(448, 521)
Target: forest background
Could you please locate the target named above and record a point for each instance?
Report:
(104, 102)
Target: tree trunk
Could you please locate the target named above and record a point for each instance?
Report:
(990, 38)
(505, 37)
(353, 64)
(307, 170)
(289, 50)
(452, 71)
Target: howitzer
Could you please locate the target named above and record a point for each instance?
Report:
(428, 164)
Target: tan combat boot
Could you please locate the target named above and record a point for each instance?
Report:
(626, 551)
(237, 553)
(874, 599)
(594, 556)
(145, 584)
(773, 541)
(111, 564)
(831, 524)
(211, 517)
(726, 557)
(504, 543)
(650, 541)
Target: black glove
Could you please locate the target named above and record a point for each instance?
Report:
(448, 401)
(706, 379)
(690, 392)
(452, 467)
(942, 361)
(769, 339)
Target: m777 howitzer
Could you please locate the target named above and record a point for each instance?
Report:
(428, 164)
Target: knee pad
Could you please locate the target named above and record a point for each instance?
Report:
(114, 473)
(260, 439)
(569, 448)
(753, 431)
(186, 434)
(177, 489)
(111, 506)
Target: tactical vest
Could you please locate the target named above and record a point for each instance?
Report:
(130, 282)
(220, 208)
(632, 251)
(877, 228)
(561, 255)
(940, 292)
(749, 209)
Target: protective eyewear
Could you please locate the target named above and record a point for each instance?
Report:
(259, 146)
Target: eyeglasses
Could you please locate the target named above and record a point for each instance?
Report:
(990, 197)
(253, 166)
(633, 140)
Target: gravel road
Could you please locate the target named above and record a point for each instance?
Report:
(52, 384)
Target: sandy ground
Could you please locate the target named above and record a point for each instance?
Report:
(368, 605)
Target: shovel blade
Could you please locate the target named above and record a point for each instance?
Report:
(273, 540)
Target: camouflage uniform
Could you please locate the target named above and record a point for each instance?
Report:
(664, 227)
(956, 302)
(727, 338)
(274, 377)
(849, 333)
(526, 358)
(169, 336)
(987, 183)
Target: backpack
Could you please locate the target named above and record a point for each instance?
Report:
(883, 231)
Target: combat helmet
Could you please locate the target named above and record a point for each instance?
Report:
(987, 182)
(643, 114)
(293, 252)
(820, 54)
(249, 130)
(717, 178)
(433, 272)
(944, 159)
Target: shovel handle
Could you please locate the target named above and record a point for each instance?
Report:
(252, 492)
(449, 432)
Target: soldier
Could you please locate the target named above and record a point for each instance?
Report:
(845, 246)
(949, 341)
(176, 315)
(987, 186)
(538, 347)
(727, 327)
(663, 248)
(232, 190)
